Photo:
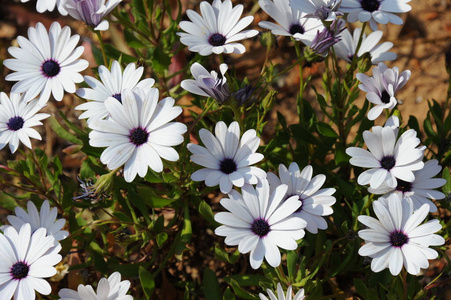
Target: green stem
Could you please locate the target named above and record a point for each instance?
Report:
(102, 47)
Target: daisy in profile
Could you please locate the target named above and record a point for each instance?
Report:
(259, 221)
(91, 12)
(17, 119)
(388, 158)
(45, 217)
(112, 84)
(226, 159)
(291, 22)
(382, 87)
(396, 238)
(217, 30)
(375, 11)
(326, 10)
(346, 48)
(107, 289)
(26, 259)
(281, 295)
(419, 191)
(206, 84)
(138, 133)
(49, 5)
(46, 63)
(316, 202)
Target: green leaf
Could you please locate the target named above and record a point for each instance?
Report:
(239, 291)
(360, 287)
(187, 231)
(161, 238)
(122, 217)
(413, 124)
(152, 199)
(292, 260)
(247, 279)
(160, 60)
(147, 282)
(228, 294)
(211, 285)
(207, 213)
(63, 133)
(447, 177)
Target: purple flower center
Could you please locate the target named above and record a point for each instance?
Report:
(118, 97)
(50, 68)
(403, 186)
(138, 136)
(260, 227)
(385, 97)
(19, 270)
(15, 123)
(227, 166)
(370, 5)
(398, 238)
(217, 39)
(388, 162)
(296, 28)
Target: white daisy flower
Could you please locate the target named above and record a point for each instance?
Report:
(375, 11)
(420, 190)
(292, 22)
(316, 202)
(107, 289)
(137, 133)
(281, 295)
(217, 30)
(49, 5)
(206, 84)
(226, 159)
(46, 218)
(326, 10)
(346, 48)
(46, 63)
(260, 221)
(112, 84)
(16, 119)
(388, 158)
(396, 237)
(91, 11)
(382, 87)
(26, 258)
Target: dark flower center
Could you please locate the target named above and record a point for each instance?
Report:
(50, 68)
(370, 5)
(15, 123)
(19, 270)
(227, 166)
(217, 39)
(385, 98)
(260, 227)
(138, 136)
(388, 162)
(118, 97)
(296, 28)
(403, 186)
(398, 238)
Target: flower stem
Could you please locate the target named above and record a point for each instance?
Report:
(102, 47)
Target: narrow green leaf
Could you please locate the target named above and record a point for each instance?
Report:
(147, 282)
(210, 283)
